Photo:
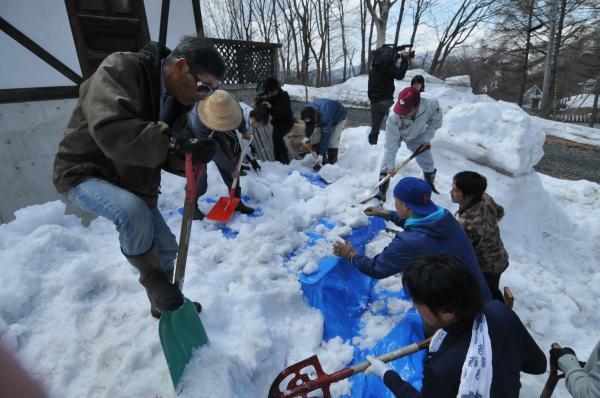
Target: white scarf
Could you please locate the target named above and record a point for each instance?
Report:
(476, 375)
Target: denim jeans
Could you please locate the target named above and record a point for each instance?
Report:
(138, 226)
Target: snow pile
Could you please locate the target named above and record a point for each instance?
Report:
(73, 312)
(498, 134)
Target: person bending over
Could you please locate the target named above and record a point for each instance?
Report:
(479, 349)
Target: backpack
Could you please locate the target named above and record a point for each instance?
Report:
(384, 55)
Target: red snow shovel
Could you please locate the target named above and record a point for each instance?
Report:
(181, 331)
(297, 383)
(226, 205)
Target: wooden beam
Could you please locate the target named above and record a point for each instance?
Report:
(29, 44)
(198, 18)
(164, 22)
(80, 44)
(11, 95)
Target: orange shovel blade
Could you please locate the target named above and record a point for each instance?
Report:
(223, 209)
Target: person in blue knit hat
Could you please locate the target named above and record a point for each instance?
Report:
(429, 230)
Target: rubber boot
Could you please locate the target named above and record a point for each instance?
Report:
(332, 155)
(382, 188)
(430, 178)
(241, 207)
(163, 295)
(156, 313)
(198, 214)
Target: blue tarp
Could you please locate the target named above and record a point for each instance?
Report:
(342, 294)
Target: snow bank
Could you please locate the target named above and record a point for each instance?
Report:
(498, 134)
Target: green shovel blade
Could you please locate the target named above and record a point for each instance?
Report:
(181, 332)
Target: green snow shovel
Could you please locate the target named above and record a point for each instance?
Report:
(181, 331)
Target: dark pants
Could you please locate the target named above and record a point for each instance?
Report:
(379, 110)
(279, 148)
(493, 282)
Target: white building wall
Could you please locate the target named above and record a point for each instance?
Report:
(30, 132)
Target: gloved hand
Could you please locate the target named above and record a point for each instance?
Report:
(373, 211)
(202, 149)
(306, 142)
(318, 164)
(377, 368)
(344, 250)
(254, 163)
(556, 352)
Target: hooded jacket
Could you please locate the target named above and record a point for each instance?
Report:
(330, 113)
(480, 222)
(114, 132)
(434, 234)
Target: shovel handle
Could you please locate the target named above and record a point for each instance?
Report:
(238, 167)
(393, 355)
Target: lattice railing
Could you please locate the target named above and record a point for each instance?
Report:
(247, 62)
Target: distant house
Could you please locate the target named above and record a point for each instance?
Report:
(531, 98)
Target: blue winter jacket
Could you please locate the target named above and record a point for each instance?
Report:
(437, 233)
(513, 351)
(330, 113)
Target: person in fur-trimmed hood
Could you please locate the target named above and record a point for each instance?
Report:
(479, 216)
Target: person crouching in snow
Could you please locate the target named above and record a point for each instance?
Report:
(428, 230)
(330, 117)
(479, 216)
(479, 348)
(220, 113)
(414, 120)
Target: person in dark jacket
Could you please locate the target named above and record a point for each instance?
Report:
(479, 215)
(479, 349)
(381, 89)
(220, 113)
(329, 117)
(119, 138)
(278, 103)
(428, 230)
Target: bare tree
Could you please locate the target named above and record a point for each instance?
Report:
(363, 36)
(380, 11)
(399, 23)
(468, 16)
(419, 7)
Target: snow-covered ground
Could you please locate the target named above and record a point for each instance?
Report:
(73, 312)
(570, 131)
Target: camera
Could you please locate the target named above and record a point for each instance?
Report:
(399, 49)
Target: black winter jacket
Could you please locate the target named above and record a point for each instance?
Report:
(281, 110)
(381, 80)
(513, 351)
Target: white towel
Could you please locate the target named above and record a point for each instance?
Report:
(476, 375)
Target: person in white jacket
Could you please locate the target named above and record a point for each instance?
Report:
(413, 120)
(583, 381)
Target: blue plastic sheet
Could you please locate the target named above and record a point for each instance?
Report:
(342, 294)
(313, 178)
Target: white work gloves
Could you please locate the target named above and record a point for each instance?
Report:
(305, 141)
(377, 368)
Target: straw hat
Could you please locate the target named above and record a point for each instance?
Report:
(220, 111)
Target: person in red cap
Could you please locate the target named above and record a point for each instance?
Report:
(413, 120)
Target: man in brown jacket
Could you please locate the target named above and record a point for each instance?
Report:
(479, 216)
(118, 139)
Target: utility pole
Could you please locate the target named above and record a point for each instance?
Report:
(547, 86)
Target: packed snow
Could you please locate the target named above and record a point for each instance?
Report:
(72, 311)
